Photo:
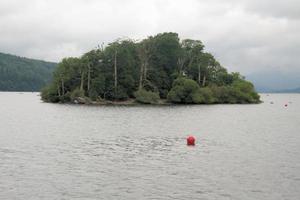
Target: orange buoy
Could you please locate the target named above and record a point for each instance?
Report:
(190, 140)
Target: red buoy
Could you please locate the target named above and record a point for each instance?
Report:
(190, 140)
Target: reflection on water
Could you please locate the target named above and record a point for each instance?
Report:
(54, 151)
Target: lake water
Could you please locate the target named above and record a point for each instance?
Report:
(54, 151)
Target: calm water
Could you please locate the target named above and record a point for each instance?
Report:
(51, 151)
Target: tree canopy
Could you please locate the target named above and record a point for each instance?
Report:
(158, 68)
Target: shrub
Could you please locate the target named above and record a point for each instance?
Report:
(185, 90)
(207, 94)
(197, 97)
(93, 94)
(77, 93)
(240, 91)
(49, 94)
(146, 97)
(120, 94)
(65, 98)
(245, 92)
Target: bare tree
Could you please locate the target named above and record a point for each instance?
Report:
(144, 53)
(81, 79)
(199, 73)
(89, 76)
(115, 71)
(204, 80)
(63, 86)
(180, 63)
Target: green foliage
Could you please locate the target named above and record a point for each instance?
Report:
(240, 91)
(159, 66)
(185, 90)
(49, 94)
(245, 92)
(120, 93)
(77, 93)
(97, 87)
(160, 57)
(23, 74)
(188, 91)
(146, 97)
(207, 94)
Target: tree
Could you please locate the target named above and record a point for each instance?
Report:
(163, 61)
(145, 50)
(185, 90)
(191, 53)
(159, 66)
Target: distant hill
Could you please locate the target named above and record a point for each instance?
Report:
(275, 81)
(23, 74)
(295, 90)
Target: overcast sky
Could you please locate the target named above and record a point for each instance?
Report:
(244, 35)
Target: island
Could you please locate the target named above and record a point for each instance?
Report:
(161, 69)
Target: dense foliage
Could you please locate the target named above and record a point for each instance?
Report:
(158, 68)
(23, 74)
(146, 97)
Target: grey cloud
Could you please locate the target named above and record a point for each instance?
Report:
(276, 8)
(245, 35)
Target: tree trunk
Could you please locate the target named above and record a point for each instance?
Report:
(204, 79)
(145, 70)
(58, 91)
(141, 76)
(115, 69)
(89, 77)
(81, 80)
(199, 74)
(62, 86)
(191, 62)
(180, 64)
(144, 58)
